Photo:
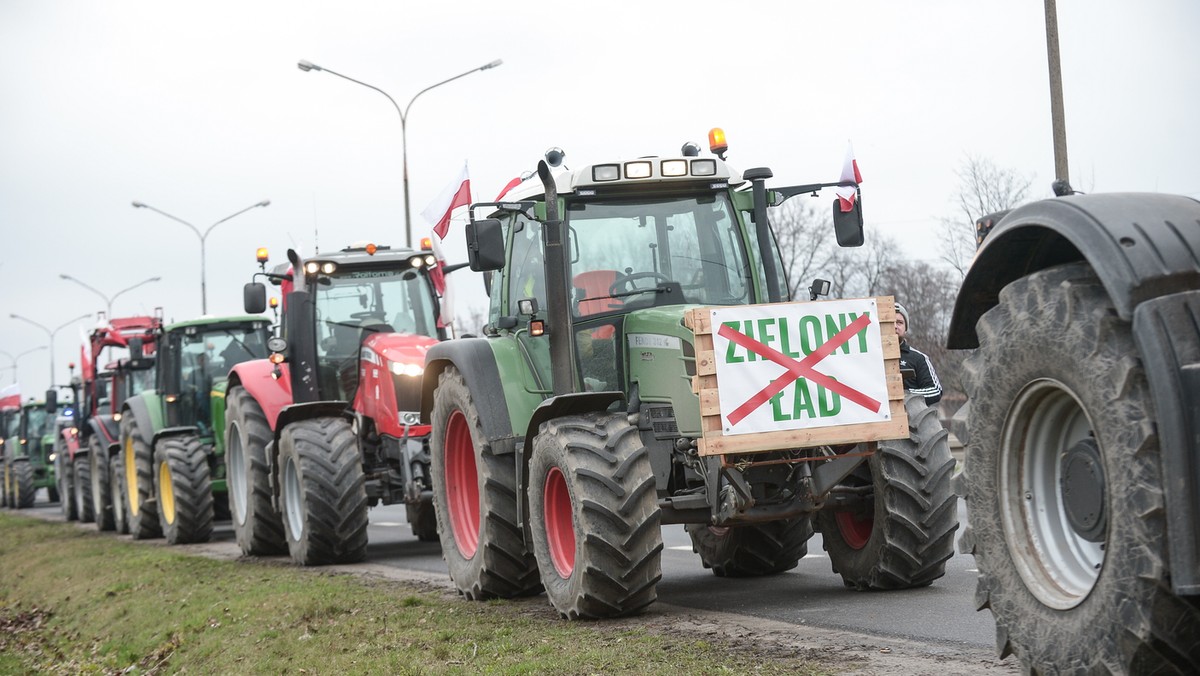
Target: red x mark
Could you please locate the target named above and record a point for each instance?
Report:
(796, 369)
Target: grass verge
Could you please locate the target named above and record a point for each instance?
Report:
(75, 601)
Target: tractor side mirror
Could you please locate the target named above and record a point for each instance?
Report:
(485, 245)
(51, 401)
(848, 225)
(254, 298)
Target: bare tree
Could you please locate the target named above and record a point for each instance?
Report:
(983, 189)
(803, 233)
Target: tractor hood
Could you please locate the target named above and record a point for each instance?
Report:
(402, 353)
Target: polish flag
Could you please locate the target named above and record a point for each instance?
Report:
(455, 195)
(438, 277)
(10, 396)
(847, 192)
(509, 186)
(86, 368)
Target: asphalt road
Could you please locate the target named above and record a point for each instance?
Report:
(942, 614)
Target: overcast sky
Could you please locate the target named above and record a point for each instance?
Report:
(200, 111)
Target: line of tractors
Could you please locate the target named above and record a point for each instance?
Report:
(546, 453)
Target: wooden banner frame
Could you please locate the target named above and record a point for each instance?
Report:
(704, 384)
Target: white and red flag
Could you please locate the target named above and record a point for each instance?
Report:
(10, 396)
(847, 192)
(453, 196)
(509, 186)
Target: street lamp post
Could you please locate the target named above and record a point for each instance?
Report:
(307, 66)
(51, 334)
(108, 301)
(203, 237)
(13, 360)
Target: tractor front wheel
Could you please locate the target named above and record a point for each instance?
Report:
(24, 492)
(82, 484)
(184, 489)
(594, 516)
(475, 497)
(256, 522)
(322, 492)
(117, 502)
(100, 487)
(752, 550)
(141, 511)
(65, 477)
(906, 533)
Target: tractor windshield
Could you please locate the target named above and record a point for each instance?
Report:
(206, 354)
(39, 423)
(624, 251)
(358, 301)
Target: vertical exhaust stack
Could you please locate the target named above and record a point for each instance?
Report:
(554, 240)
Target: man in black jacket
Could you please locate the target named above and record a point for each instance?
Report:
(925, 381)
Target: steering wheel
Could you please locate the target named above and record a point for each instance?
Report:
(369, 314)
(625, 282)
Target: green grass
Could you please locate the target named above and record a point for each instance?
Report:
(75, 601)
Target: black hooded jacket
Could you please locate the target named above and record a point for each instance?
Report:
(925, 382)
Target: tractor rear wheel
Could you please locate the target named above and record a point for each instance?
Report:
(184, 489)
(1064, 485)
(118, 505)
(754, 549)
(65, 476)
(322, 492)
(140, 510)
(24, 492)
(256, 522)
(81, 470)
(100, 492)
(594, 516)
(475, 499)
(906, 534)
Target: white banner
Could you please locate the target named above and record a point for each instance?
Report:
(790, 366)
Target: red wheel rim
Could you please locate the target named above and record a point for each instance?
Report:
(560, 526)
(462, 485)
(855, 531)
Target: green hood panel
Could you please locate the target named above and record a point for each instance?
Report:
(661, 359)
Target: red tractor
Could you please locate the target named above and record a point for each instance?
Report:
(84, 471)
(313, 445)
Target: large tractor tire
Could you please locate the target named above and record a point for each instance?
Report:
(423, 518)
(100, 491)
(24, 492)
(752, 550)
(65, 476)
(906, 535)
(1064, 487)
(475, 500)
(256, 522)
(81, 485)
(184, 488)
(594, 516)
(141, 511)
(322, 492)
(5, 483)
(118, 504)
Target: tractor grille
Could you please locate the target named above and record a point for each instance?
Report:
(662, 422)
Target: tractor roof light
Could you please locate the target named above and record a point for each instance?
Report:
(717, 143)
(416, 261)
(329, 267)
(311, 267)
(638, 170)
(274, 302)
(426, 244)
(704, 167)
(371, 249)
(260, 255)
(606, 172)
(674, 168)
(430, 261)
(276, 358)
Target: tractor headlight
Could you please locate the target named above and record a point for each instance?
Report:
(53, 456)
(413, 370)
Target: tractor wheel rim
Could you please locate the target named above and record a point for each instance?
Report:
(166, 493)
(131, 482)
(462, 485)
(560, 525)
(1058, 565)
(238, 482)
(293, 503)
(855, 530)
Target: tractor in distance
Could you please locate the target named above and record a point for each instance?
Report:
(329, 426)
(29, 452)
(581, 421)
(172, 452)
(1082, 470)
(83, 463)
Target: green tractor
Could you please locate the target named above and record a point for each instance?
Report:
(29, 453)
(584, 418)
(170, 462)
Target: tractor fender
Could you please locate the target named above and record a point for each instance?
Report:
(1141, 245)
(172, 432)
(474, 358)
(137, 407)
(1168, 338)
(104, 427)
(272, 394)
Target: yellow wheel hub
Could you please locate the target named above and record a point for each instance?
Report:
(166, 491)
(131, 485)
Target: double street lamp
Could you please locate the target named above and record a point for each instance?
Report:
(203, 236)
(12, 361)
(108, 301)
(51, 333)
(307, 66)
